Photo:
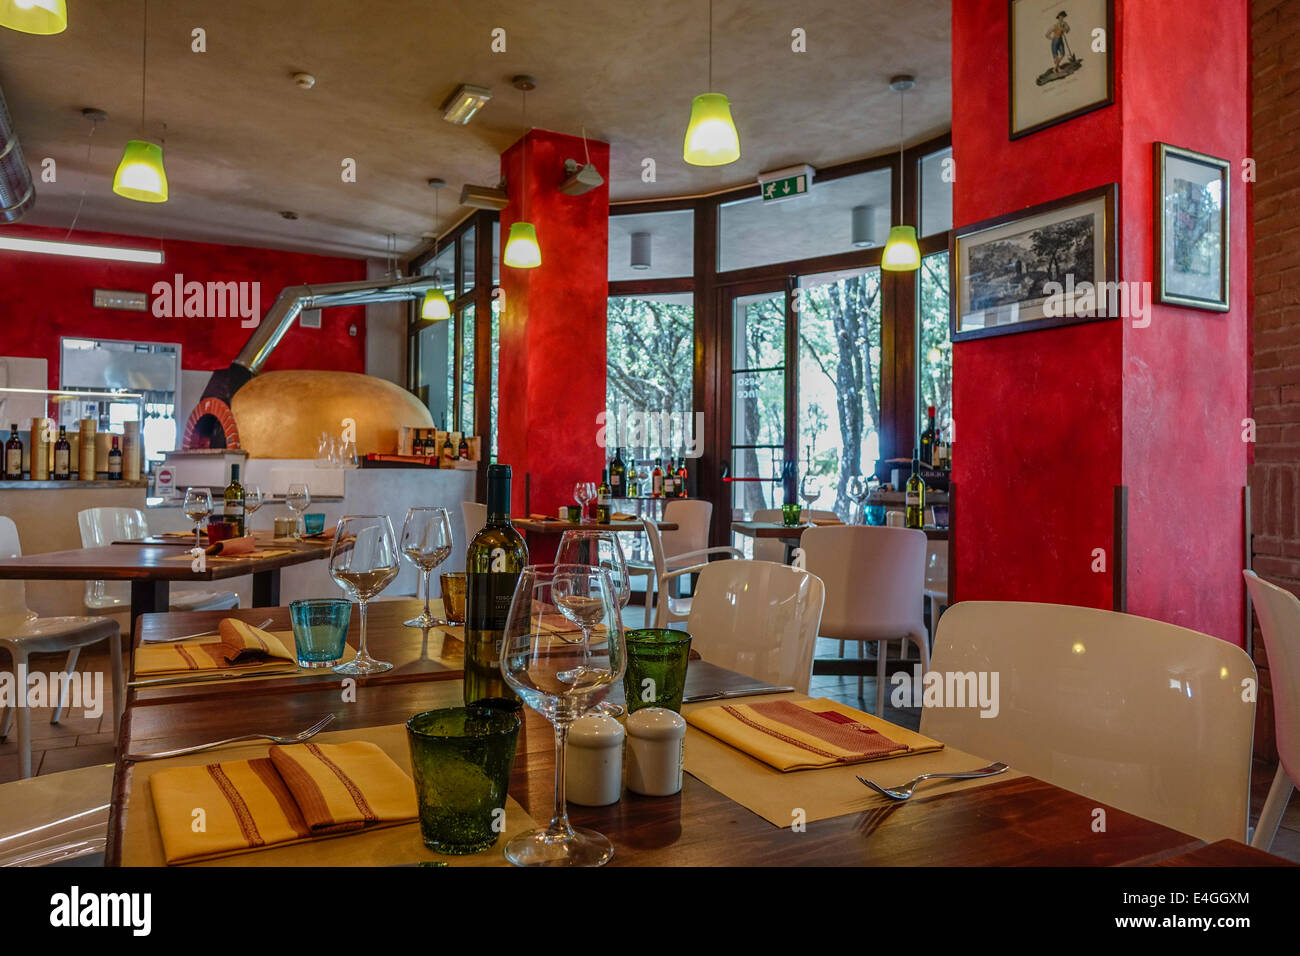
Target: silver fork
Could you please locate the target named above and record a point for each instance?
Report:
(190, 637)
(905, 791)
(310, 732)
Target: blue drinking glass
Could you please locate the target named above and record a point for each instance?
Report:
(875, 515)
(314, 523)
(320, 630)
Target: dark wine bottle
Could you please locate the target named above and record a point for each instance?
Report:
(13, 454)
(618, 476)
(493, 562)
(115, 461)
(929, 441)
(62, 456)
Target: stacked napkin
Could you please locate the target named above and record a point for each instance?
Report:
(236, 644)
(293, 794)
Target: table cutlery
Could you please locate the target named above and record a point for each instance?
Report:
(190, 676)
(743, 692)
(191, 637)
(298, 738)
(905, 791)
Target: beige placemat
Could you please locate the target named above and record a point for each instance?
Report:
(388, 846)
(819, 794)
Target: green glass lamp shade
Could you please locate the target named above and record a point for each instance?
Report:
(42, 17)
(522, 250)
(901, 254)
(140, 174)
(435, 306)
(711, 137)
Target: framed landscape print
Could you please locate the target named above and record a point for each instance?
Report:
(1037, 268)
(1061, 61)
(1191, 229)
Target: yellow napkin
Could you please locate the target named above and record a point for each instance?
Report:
(293, 794)
(236, 644)
(622, 516)
(807, 734)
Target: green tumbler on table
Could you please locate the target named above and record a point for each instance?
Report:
(461, 758)
(656, 668)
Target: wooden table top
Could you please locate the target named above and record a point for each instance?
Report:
(774, 529)
(135, 562)
(1023, 821)
(536, 526)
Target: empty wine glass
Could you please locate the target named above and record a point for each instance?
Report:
(364, 561)
(426, 541)
(562, 652)
(859, 490)
(601, 549)
(198, 505)
(252, 501)
(810, 490)
(583, 493)
(298, 498)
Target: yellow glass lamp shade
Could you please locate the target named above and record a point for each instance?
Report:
(522, 250)
(435, 306)
(901, 254)
(42, 17)
(140, 174)
(711, 137)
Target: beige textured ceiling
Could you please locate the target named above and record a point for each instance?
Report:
(243, 142)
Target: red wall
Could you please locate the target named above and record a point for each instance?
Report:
(1048, 422)
(45, 297)
(553, 325)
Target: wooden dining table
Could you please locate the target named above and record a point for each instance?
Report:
(1019, 821)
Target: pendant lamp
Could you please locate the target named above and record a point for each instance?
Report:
(42, 17)
(522, 250)
(435, 307)
(140, 175)
(901, 254)
(711, 137)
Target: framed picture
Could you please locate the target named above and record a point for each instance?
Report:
(1061, 64)
(1050, 265)
(1191, 228)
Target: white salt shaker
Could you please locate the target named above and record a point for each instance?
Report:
(593, 765)
(656, 746)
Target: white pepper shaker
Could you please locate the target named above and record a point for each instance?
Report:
(656, 746)
(593, 767)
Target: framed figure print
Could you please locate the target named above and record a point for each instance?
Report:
(1061, 63)
(1049, 265)
(1191, 228)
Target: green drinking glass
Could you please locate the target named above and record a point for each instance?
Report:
(656, 668)
(461, 758)
(790, 515)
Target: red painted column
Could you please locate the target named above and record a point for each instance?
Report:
(551, 370)
(1050, 421)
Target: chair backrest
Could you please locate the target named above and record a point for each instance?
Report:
(769, 549)
(692, 517)
(874, 580)
(101, 526)
(13, 594)
(656, 546)
(936, 565)
(758, 618)
(1135, 713)
(475, 515)
(1279, 621)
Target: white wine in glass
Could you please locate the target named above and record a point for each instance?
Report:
(600, 549)
(364, 561)
(197, 506)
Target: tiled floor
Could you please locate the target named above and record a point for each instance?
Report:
(79, 741)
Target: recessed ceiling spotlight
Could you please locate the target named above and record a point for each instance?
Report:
(524, 82)
(461, 106)
(304, 81)
(288, 214)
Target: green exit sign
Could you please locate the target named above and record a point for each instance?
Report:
(785, 183)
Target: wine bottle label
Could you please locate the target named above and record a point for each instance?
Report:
(488, 599)
(234, 509)
(61, 461)
(913, 499)
(13, 461)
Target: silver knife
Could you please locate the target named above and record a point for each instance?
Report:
(188, 678)
(743, 692)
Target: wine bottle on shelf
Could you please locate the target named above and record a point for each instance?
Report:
(657, 480)
(681, 478)
(233, 501)
(928, 441)
(669, 487)
(633, 480)
(617, 476)
(62, 456)
(603, 496)
(448, 449)
(492, 565)
(463, 451)
(13, 454)
(915, 514)
(115, 461)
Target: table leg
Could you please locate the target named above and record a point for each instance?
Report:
(148, 597)
(266, 588)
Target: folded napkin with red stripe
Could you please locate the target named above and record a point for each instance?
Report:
(807, 734)
(294, 793)
(236, 644)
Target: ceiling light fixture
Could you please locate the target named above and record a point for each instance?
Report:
(711, 137)
(50, 247)
(522, 250)
(140, 175)
(462, 105)
(902, 254)
(640, 250)
(42, 17)
(435, 307)
(484, 197)
(863, 231)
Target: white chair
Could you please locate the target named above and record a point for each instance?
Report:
(102, 526)
(1138, 714)
(475, 515)
(936, 586)
(23, 633)
(874, 578)
(759, 618)
(773, 549)
(56, 818)
(1279, 622)
(669, 608)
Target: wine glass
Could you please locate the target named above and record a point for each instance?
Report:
(562, 652)
(197, 506)
(426, 541)
(364, 561)
(298, 498)
(600, 549)
(810, 490)
(859, 490)
(253, 499)
(584, 492)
